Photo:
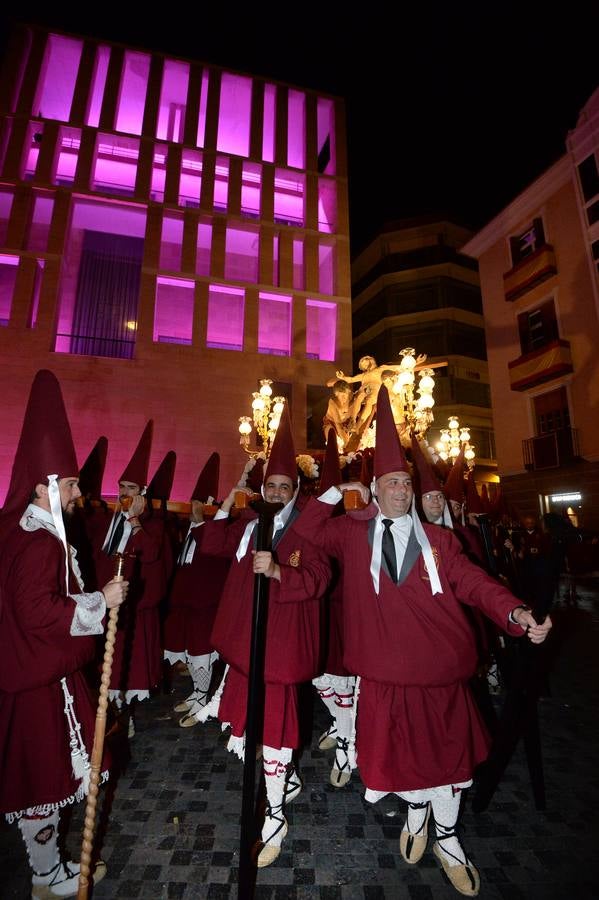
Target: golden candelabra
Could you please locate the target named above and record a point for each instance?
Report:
(453, 439)
(266, 415)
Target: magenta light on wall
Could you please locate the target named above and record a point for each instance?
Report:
(203, 108)
(190, 182)
(132, 96)
(171, 243)
(234, 114)
(289, 197)
(251, 184)
(325, 135)
(173, 311)
(242, 246)
(225, 317)
(35, 135)
(321, 329)
(327, 205)
(159, 173)
(299, 279)
(8, 277)
(221, 184)
(96, 96)
(66, 163)
(203, 247)
(35, 299)
(326, 268)
(274, 324)
(56, 85)
(115, 165)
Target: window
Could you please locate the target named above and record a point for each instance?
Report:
(537, 327)
(171, 243)
(159, 173)
(203, 107)
(251, 181)
(289, 197)
(68, 153)
(115, 166)
(274, 324)
(35, 297)
(8, 277)
(589, 177)
(56, 86)
(173, 100)
(96, 97)
(327, 205)
(321, 328)
(35, 136)
(225, 318)
(234, 115)
(203, 247)
(299, 279)
(132, 97)
(296, 129)
(276, 273)
(268, 127)
(100, 280)
(221, 183)
(326, 268)
(242, 253)
(190, 182)
(39, 224)
(173, 311)
(551, 411)
(6, 198)
(325, 135)
(525, 244)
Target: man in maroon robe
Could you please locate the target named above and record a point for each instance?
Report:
(139, 534)
(419, 734)
(193, 599)
(298, 575)
(47, 628)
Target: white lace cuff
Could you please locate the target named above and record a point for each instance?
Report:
(89, 612)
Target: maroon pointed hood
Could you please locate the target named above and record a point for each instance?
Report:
(161, 484)
(92, 470)
(331, 472)
(282, 454)
(388, 453)
(207, 483)
(136, 471)
(424, 475)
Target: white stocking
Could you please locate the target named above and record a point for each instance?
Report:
(201, 678)
(445, 812)
(41, 837)
(275, 763)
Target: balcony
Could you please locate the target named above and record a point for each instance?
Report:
(530, 272)
(548, 451)
(535, 368)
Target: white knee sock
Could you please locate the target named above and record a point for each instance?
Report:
(275, 763)
(328, 697)
(41, 841)
(416, 816)
(201, 678)
(446, 812)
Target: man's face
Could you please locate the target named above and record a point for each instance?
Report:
(278, 489)
(433, 504)
(394, 493)
(530, 523)
(69, 494)
(128, 489)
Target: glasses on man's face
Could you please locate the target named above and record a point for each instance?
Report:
(434, 498)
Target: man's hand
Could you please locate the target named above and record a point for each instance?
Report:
(264, 564)
(526, 620)
(229, 501)
(115, 593)
(356, 486)
(138, 504)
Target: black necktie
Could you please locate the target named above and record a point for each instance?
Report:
(117, 534)
(185, 549)
(389, 550)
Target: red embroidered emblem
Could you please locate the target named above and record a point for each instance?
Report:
(435, 552)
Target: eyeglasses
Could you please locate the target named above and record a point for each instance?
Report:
(434, 497)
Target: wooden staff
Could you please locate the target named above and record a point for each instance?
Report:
(98, 748)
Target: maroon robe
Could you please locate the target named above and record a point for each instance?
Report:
(137, 662)
(36, 651)
(293, 628)
(418, 726)
(195, 593)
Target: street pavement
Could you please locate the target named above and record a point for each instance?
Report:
(169, 827)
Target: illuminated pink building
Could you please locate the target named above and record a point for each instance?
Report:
(170, 232)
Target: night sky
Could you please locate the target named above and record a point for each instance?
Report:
(452, 108)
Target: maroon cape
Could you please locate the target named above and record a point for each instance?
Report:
(193, 601)
(293, 628)
(36, 651)
(418, 726)
(137, 662)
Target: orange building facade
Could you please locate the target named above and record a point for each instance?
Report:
(539, 273)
